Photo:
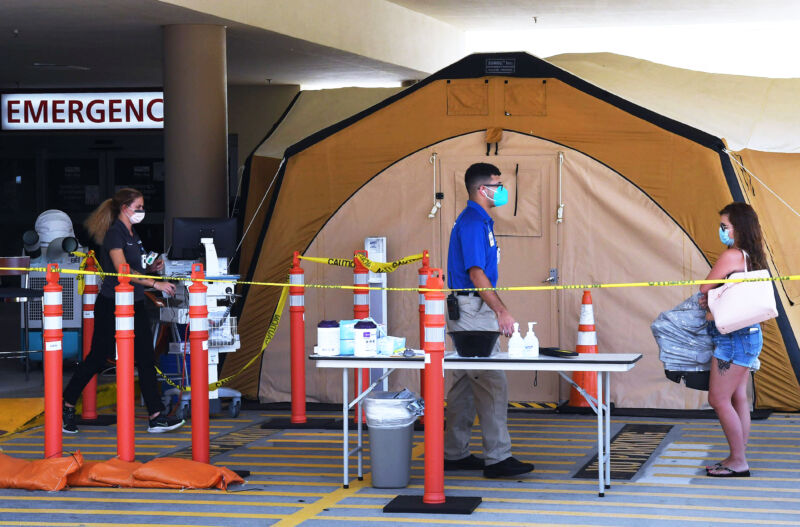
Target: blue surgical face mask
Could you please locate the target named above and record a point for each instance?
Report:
(500, 196)
(724, 238)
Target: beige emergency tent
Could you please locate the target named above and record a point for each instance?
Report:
(636, 177)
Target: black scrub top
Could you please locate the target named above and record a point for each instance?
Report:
(118, 237)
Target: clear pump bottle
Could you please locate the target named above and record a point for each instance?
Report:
(516, 345)
(531, 342)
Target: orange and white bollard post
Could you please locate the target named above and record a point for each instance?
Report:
(433, 500)
(587, 343)
(123, 295)
(90, 291)
(52, 336)
(435, 328)
(198, 345)
(297, 340)
(422, 276)
(360, 311)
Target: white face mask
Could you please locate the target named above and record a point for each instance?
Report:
(136, 217)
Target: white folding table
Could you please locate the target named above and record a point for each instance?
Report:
(602, 363)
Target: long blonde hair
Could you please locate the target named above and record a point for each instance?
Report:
(103, 216)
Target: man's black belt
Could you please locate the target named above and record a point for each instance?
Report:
(467, 293)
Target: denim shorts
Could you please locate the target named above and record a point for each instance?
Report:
(740, 347)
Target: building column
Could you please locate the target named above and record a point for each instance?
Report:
(195, 123)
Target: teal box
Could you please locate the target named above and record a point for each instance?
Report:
(72, 345)
(347, 330)
(347, 347)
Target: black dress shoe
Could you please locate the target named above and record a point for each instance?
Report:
(508, 467)
(470, 462)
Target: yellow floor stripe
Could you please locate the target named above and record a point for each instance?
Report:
(392, 518)
(150, 501)
(311, 456)
(304, 474)
(617, 492)
(79, 445)
(287, 456)
(759, 460)
(750, 443)
(754, 469)
(310, 511)
(170, 512)
(720, 435)
(589, 444)
(592, 504)
(294, 448)
(299, 465)
(91, 524)
(114, 490)
(750, 450)
(297, 483)
(751, 478)
(688, 519)
(111, 453)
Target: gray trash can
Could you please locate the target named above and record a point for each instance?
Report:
(391, 431)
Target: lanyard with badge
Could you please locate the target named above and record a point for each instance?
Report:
(492, 242)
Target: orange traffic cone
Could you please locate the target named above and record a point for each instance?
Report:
(587, 343)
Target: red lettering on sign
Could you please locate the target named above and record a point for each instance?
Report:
(75, 108)
(131, 109)
(40, 113)
(97, 117)
(113, 109)
(150, 114)
(11, 111)
(58, 110)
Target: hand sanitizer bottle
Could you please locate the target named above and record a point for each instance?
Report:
(516, 346)
(531, 342)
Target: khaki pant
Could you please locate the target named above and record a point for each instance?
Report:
(481, 391)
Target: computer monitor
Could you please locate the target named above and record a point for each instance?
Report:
(187, 232)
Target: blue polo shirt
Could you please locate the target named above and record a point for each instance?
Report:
(472, 244)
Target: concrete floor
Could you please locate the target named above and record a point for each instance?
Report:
(296, 479)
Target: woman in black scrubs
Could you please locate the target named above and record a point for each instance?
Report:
(111, 225)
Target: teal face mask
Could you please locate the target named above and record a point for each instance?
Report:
(500, 196)
(724, 238)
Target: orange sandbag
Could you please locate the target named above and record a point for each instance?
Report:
(40, 474)
(9, 468)
(114, 472)
(119, 473)
(186, 473)
(229, 477)
(81, 477)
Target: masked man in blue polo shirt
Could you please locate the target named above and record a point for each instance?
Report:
(472, 263)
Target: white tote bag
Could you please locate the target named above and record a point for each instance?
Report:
(737, 305)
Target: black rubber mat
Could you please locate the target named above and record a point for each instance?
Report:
(630, 450)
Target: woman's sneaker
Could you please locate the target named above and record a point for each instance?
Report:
(162, 423)
(68, 420)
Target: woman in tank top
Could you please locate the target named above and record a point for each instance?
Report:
(736, 353)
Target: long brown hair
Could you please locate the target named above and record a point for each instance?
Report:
(747, 232)
(103, 216)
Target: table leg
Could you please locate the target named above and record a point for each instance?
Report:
(608, 427)
(360, 416)
(345, 431)
(601, 443)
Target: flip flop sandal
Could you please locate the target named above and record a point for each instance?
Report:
(715, 466)
(729, 473)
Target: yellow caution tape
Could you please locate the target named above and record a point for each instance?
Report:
(85, 256)
(786, 278)
(387, 267)
(271, 330)
(338, 262)
(375, 267)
